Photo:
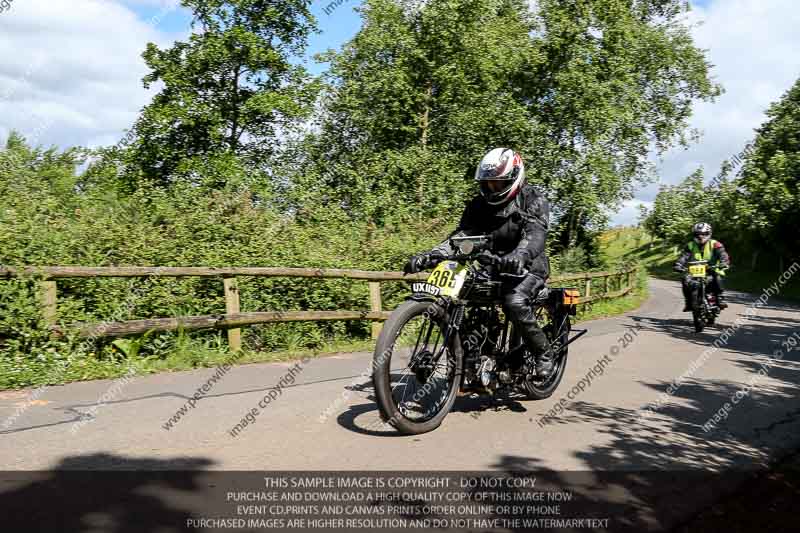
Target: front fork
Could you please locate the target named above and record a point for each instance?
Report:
(454, 313)
(701, 295)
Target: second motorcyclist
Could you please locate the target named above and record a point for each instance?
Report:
(703, 248)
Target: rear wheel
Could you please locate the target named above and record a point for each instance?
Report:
(416, 370)
(556, 325)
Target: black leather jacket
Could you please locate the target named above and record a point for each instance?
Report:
(518, 227)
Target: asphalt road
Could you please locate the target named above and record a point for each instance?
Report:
(600, 428)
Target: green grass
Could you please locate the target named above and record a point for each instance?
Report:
(623, 246)
(756, 281)
(189, 353)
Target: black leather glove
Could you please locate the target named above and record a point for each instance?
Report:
(513, 264)
(420, 262)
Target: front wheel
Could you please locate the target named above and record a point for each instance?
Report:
(699, 321)
(556, 325)
(416, 367)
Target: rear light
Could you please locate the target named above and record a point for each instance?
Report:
(571, 297)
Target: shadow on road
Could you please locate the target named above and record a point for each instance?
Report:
(631, 500)
(755, 336)
(474, 405)
(102, 492)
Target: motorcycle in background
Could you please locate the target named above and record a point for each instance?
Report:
(705, 308)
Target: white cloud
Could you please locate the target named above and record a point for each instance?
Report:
(628, 214)
(753, 45)
(75, 65)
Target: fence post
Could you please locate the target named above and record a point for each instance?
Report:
(231, 307)
(587, 293)
(48, 292)
(375, 306)
(605, 285)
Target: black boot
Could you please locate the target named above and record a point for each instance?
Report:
(721, 303)
(538, 346)
(544, 364)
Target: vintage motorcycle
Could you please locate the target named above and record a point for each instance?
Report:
(451, 336)
(705, 308)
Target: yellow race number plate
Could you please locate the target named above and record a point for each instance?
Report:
(446, 279)
(697, 271)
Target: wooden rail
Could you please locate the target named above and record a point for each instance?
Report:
(56, 272)
(233, 319)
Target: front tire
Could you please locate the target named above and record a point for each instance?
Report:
(407, 335)
(699, 321)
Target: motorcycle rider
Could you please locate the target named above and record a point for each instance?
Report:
(703, 248)
(516, 217)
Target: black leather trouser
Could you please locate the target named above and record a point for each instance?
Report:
(713, 284)
(518, 306)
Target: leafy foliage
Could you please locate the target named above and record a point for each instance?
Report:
(231, 89)
(678, 207)
(766, 198)
(756, 211)
(583, 89)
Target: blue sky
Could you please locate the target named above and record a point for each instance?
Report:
(336, 28)
(70, 70)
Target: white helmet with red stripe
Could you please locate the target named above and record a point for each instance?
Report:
(501, 174)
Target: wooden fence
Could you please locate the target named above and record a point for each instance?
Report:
(233, 318)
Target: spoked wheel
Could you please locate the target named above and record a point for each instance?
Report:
(556, 326)
(699, 321)
(698, 317)
(416, 371)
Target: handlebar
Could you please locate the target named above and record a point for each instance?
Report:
(485, 258)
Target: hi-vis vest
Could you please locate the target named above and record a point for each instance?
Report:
(705, 254)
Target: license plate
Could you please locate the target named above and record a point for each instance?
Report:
(697, 271)
(426, 287)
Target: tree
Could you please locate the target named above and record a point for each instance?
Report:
(767, 197)
(678, 207)
(230, 89)
(755, 212)
(583, 88)
(414, 99)
(609, 82)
